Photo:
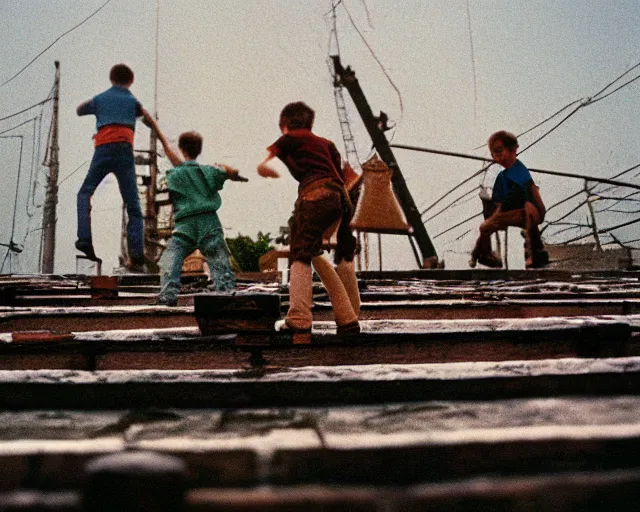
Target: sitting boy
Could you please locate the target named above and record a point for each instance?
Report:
(193, 190)
(517, 203)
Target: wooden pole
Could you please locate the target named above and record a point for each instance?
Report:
(51, 197)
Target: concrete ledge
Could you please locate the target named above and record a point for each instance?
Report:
(318, 385)
(499, 274)
(77, 319)
(381, 342)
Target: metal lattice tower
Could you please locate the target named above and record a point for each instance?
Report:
(351, 153)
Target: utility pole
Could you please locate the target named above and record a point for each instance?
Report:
(51, 197)
(347, 77)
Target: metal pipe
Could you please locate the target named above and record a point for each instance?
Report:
(540, 171)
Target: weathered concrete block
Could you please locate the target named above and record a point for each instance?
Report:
(104, 287)
(221, 313)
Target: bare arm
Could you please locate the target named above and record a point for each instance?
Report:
(174, 157)
(264, 168)
(233, 173)
(82, 108)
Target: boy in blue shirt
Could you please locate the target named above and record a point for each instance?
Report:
(517, 203)
(194, 193)
(116, 110)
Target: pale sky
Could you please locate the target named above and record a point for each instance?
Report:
(227, 67)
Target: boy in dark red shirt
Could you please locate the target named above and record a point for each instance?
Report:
(322, 203)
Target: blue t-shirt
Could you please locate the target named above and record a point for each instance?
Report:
(512, 187)
(116, 105)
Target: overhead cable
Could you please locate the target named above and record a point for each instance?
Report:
(26, 109)
(54, 42)
(601, 231)
(73, 172)
(373, 54)
(19, 125)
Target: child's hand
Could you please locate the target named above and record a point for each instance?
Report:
(267, 172)
(233, 173)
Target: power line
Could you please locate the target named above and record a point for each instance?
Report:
(614, 81)
(589, 101)
(601, 231)
(583, 102)
(366, 10)
(19, 125)
(26, 109)
(373, 54)
(72, 173)
(458, 224)
(540, 123)
(452, 203)
(548, 132)
(562, 201)
(54, 42)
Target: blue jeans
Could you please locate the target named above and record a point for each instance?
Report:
(204, 232)
(117, 158)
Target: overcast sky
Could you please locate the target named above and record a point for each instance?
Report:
(458, 71)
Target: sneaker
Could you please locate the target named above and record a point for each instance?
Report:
(540, 259)
(348, 330)
(490, 260)
(164, 301)
(87, 248)
(283, 327)
(137, 265)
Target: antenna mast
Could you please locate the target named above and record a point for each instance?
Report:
(149, 182)
(151, 213)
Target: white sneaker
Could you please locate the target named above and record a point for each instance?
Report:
(283, 327)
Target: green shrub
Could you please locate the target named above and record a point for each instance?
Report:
(247, 252)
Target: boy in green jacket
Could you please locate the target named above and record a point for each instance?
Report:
(193, 190)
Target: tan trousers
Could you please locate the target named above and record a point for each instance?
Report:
(341, 285)
(528, 218)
